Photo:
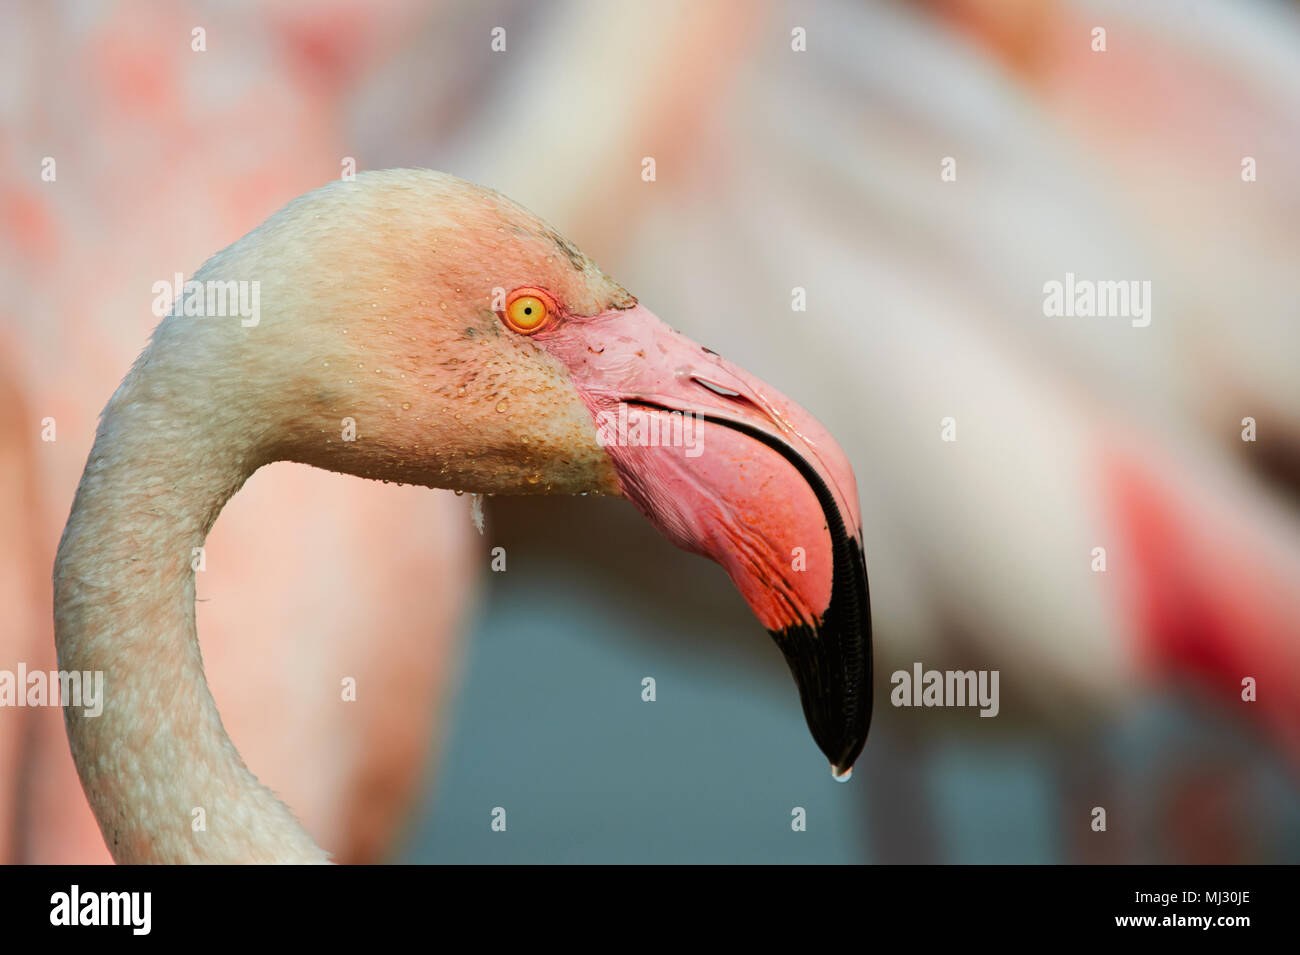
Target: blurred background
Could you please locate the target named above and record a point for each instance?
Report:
(776, 168)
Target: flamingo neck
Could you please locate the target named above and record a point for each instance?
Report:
(162, 776)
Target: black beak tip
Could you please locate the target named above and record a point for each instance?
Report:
(833, 673)
(831, 664)
(842, 767)
(842, 743)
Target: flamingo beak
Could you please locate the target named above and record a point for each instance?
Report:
(727, 467)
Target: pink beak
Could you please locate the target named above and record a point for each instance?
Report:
(727, 467)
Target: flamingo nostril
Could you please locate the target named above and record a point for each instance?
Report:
(715, 388)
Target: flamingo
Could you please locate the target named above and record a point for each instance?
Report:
(416, 328)
(352, 772)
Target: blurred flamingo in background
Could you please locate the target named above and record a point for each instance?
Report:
(1081, 435)
(825, 169)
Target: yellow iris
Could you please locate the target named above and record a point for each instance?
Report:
(526, 313)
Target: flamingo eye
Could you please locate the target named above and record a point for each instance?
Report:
(526, 311)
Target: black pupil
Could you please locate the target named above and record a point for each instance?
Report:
(528, 310)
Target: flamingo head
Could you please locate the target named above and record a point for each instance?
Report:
(430, 331)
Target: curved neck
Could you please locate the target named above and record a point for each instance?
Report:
(164, 780)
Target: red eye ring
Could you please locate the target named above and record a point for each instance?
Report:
(528, 310)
